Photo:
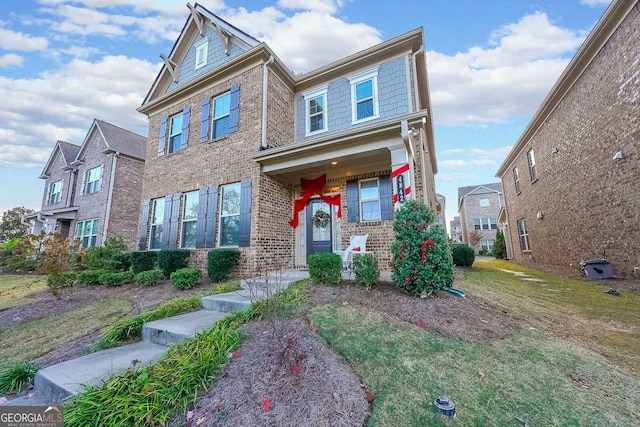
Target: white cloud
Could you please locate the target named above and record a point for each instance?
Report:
(11, 40)
(323, 6)
(451, 177)
(595, 3)
(11, 60)
(62, 104)
(452, 151)
(497, 153)
(510, 79)
(466, 163)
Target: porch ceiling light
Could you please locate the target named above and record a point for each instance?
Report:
(334, 163)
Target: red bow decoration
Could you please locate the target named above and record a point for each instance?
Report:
(311, 187)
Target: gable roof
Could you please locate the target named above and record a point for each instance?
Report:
(183, 42)
(67, 150)
(116, 139)
(595, 41)
(464, 191)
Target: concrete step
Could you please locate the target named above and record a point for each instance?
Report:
(173, 329)
(56, 382)
(229, 302)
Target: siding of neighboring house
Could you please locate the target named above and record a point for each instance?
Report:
(392, 98)
(589, 201)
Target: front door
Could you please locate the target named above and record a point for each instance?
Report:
(318, 238)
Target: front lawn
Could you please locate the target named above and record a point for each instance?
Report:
(15, 289)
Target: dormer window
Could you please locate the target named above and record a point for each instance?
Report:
(316, 111)
(201, 48)
(364, 95)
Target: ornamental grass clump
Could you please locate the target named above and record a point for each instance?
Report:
(422, 261)
(17, 377)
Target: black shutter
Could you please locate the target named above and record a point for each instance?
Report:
(353, 201)
(144, 223)
(211, 217)
(166, 223)
(173, 222)
(186, 118)
(386, 198)
(162, 140)
(202, 216)
(234, 109)
(204, 119)
(244, 239)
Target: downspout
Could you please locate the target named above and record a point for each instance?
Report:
(415, 76)
(423, 168)
(112, 181)
(265, 80)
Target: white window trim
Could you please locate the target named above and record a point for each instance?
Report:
(487, 201)
(171, 135)
(80, 236)
(87, 182)
(51, 193)
(308, 96)
(531, 162)
(220, 215)
(183, 220)
(516, 179)
(370, 74)
(201, 46)
(213, 115)
(152, 224)
(524, 235)
(361, 200)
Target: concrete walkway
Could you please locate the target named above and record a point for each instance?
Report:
(54, 383)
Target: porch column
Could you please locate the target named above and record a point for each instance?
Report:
(401, 177)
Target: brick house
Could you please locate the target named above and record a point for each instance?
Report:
(244, 153)
(455, 228)
(572, 180)
(479, 207)
(441, 217)
(92, 191)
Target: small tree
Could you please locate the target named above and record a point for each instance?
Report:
(11, 225)
(474, 238)
(422, 259)
(59, 257)
(499, 246)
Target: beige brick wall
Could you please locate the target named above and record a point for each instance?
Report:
(472, 210)
(125, 204)
(280, 116)
(588, 199)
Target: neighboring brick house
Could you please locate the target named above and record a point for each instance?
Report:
(572, 180)
(92, 191)
(479, 208)
(234, 136)
(456, 230)
(440, 214)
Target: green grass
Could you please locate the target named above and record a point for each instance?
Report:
(14, 289)
(539, 380)
(15, 378)
(29, 340)
(579, 309)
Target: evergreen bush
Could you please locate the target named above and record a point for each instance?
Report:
(143, 261)
(221, 262)
(173, 260)
(89, 277)
(463, 255)
(325, 268)
(422, 260)
(186, 278)
(499, 247)
(150, 277)
(367, 272)
(112, 279)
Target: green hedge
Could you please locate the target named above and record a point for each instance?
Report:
(367, 272)
(150, 277)
(221, 262)
(89, 277)
(325, 268)
(173, 260)
(186, 278)
(463, 255)
(114, 279)
(143, 261)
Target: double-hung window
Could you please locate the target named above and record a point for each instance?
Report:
(157, 219)
(93, 180)
(221, 109)
(487, 245)
(175, 133)
(516, 180)
(190, 203)
(55, 192)
(531, 160)
(485, 223)
(370, 200)
(87, 232)
(230, 215)
(364, 95)
(523, 232)
(316, 111)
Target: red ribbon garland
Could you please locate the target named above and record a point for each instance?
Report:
(311, 187)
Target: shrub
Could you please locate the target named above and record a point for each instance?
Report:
(367, 272)
(186, 278)
(221, 262)
(421, 253)
(325, 268)
(122, 262)
(143, 261)
(463, 255)
(170, 261)
(482, 252)
(89, 277)
(150, 277)
(499, 247)
(17, 377)
(112, 279)
(56, 280)
(59, 256)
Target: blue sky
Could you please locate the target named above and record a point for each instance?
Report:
(490, 65)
